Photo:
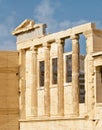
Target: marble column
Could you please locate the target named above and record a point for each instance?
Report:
(22, 84)
(34, 82)
(89, 73)
(47, 79)
(75, 74)
(60, 78)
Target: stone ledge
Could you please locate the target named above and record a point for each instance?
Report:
(37, 119)
(97, 54)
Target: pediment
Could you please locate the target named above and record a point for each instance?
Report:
(24, 26)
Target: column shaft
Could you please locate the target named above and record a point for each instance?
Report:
(47, 81)
(89, 74)
(60, 79)
(75, 74)
(34, 82)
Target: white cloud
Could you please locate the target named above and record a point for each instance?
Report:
(67, 24)
(44, 13)
(44, 10)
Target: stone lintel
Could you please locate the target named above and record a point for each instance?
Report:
(82, 28)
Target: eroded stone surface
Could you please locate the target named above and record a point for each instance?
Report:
(59, 104)
(73, 101)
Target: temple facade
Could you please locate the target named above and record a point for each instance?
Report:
(55, 88)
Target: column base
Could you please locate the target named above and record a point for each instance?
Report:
(74, 114)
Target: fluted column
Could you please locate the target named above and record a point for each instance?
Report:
(47, 80)
(89, 73)
(22, 84)
(34, 82)
(75, 74)
(60, 78)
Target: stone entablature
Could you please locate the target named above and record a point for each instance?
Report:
(50, 38)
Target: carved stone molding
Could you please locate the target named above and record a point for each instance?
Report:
(88, 33)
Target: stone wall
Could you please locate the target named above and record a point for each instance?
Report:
(9, 90)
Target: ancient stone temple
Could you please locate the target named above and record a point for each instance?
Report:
(49, 86)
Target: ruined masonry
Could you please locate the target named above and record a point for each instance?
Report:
(44, 85)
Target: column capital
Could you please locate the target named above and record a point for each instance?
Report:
(22, 50)
(46, 44)
(74, 37)
(59, 41)
(33, 48)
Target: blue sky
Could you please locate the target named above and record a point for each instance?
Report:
(58, 14)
